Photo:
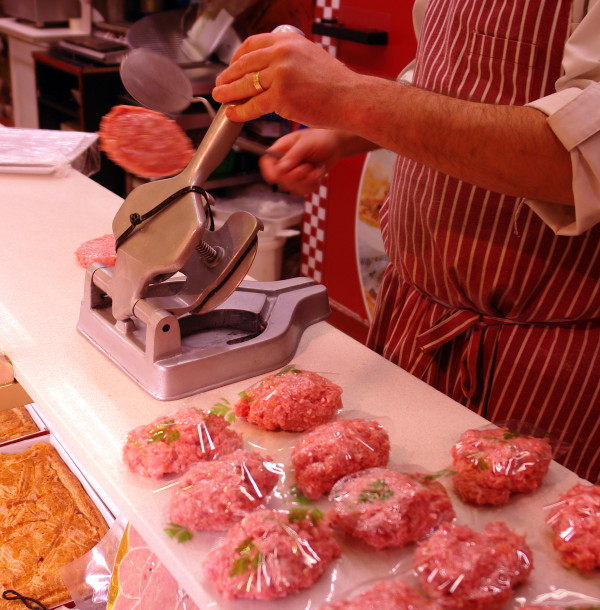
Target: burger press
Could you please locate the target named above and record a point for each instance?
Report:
(175, 312)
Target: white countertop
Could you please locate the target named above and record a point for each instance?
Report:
(91, 405)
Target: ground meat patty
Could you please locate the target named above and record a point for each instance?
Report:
(389, 509)
(270, 554)
(575, 522)
(215, 495)
(328, 452)
(491, 464)
(143, 142)
(171, 444)
(97, 250)
(292, 400)
(465, 570)
(385, 595)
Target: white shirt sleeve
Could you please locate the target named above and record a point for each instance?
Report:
(406, 76)
(574, 116)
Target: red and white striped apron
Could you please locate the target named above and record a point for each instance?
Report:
(481, 299)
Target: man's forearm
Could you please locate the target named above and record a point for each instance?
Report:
(509, 149)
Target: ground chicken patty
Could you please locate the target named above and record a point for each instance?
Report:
(171, 444)
(384, 595)
(389, 509)
(270, 554)
(330, 451)
(466, 570)
(491, 464)
(575, 522)
(294, 400)
(214, 495)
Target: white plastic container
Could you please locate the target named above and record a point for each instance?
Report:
(279, 214)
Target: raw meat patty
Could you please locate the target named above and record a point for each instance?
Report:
(493, 463)
(389, 509)
(467, 570)
(144, 142)
(575, 522)
(292, 400)
(270, 554)
(215, 495)
(332, 450)
(97, 250)
(144, 583)
(171, 444)
(393, 594)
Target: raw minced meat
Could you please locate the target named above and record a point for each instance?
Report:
(214, 495)
(389, 509)
(171, 444)
(144, 142)
(97, 250)
(575, 522)
(330, 451)
(270, 554)
(466, 570)
(293, 399)
(390, 594)
(491, 464)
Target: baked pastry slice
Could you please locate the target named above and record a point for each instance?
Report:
(47, 520)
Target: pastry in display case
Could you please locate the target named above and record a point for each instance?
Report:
(47, 519)
(16, 423)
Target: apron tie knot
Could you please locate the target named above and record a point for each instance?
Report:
(450, 327)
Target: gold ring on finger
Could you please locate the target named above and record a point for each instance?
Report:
(256, 82)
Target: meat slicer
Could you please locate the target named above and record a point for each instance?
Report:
(175, 312)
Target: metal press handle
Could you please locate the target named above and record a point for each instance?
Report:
(220, 137)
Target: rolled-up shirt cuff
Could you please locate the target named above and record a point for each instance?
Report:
(573, 116)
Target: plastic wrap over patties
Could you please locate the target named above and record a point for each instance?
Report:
(332, 450)
(575, 522)
(466, 570)
(214, 495)
(294, 400)
(271, 554)
(393, 594)
(389, 509)
(171, 444)
(493, 463)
